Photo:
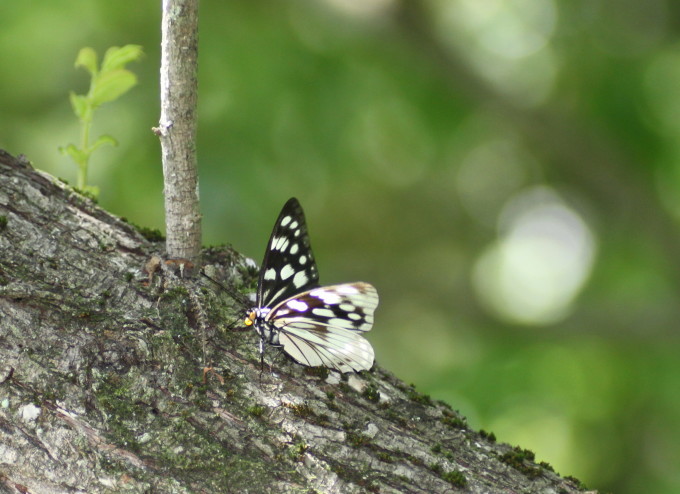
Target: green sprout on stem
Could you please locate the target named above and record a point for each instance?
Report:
(107, 83)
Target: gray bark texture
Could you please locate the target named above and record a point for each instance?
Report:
(118, 376)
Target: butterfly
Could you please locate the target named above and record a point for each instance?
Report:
(315, 325)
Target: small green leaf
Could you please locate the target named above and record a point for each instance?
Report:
(101, 140)
(87, 58)
(106, 84)
(76, 154)
(112, 84)
(80, 106)
(117, 58)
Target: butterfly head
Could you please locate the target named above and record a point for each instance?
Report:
(255, 316)
(250, 318)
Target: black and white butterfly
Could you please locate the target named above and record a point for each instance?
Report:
(316, 325)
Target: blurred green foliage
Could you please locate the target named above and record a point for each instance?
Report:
(107, 83)
(505, 172)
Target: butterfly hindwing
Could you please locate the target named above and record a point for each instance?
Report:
(323, 326)
(289, 266)
(328, 346)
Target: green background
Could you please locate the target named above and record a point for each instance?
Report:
(506, 173)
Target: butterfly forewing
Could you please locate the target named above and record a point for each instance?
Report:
(289, 266)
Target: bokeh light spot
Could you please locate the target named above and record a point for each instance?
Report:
(533, 272)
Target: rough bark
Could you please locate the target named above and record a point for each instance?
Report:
(177, 127)
(103, 386)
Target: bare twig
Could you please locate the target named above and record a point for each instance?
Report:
(177, 127)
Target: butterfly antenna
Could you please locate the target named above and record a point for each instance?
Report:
(233, 323)
(244, 301)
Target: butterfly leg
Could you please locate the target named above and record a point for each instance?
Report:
(261, 354)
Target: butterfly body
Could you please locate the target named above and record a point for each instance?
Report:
(315, 325)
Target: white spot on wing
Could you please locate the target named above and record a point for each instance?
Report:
(270, 274)
(341, 323)
(287, 272)
(347, 289)
(299, 279)
(280, 244)
(294, 249)
(297, 305)
(319, 311)
(285, 220)
(328, 297)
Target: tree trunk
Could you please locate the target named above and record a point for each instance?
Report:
(104, 385)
